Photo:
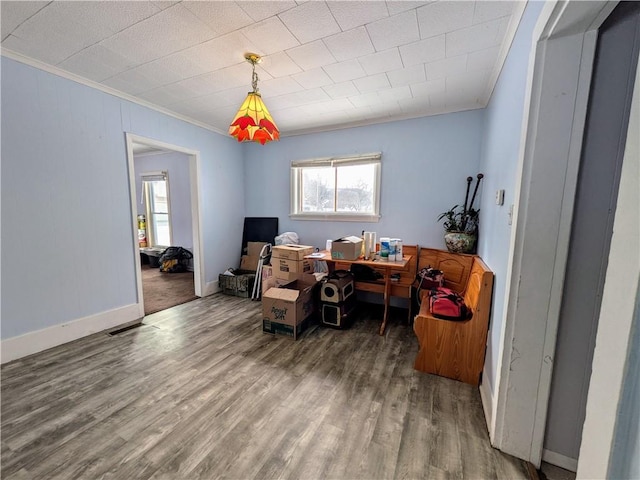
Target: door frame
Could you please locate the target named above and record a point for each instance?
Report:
(558, 83)
(196, 218)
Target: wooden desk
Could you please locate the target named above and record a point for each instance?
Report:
(386, 267)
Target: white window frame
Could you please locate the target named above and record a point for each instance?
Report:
(297, 167)
(151, 176)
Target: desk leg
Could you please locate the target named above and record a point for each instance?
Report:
(387, 299)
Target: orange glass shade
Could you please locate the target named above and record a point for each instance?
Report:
(253, 122)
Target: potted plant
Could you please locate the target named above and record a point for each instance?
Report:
(461, 223)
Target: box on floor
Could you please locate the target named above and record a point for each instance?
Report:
(290, 308)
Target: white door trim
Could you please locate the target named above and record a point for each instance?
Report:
(564, 49)
(196, 219)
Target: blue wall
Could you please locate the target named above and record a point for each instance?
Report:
(425, 163)
(67, 249)
(177, 167)
(499, 163)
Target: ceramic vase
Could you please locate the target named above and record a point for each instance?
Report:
(459, 242)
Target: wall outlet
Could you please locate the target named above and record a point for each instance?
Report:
(499, 197)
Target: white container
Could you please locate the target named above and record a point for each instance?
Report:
(328, 245)
(384, 248)
(370, 245)
(392, 249)
(399, 252)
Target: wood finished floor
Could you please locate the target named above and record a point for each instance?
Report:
(199, 392)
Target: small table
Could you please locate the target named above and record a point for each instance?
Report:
(386, 267)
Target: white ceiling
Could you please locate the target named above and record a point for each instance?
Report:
(326, 64)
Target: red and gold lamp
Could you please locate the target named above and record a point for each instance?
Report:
(253, 122)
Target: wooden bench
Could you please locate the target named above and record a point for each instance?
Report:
(449, 348)
(402, 288)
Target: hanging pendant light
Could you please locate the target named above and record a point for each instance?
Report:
(253, 122)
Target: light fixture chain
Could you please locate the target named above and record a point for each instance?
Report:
(254, 78)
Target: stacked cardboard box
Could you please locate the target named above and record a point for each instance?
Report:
(288, 261)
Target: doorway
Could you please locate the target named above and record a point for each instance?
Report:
(164, 190)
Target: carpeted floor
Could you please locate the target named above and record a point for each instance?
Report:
(164, 290)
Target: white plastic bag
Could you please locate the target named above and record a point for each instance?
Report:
(288, 238)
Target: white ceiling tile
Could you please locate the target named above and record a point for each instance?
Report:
(166, 96)
(278, 65)
(260, 10)
(442, 17)
(351, 44)
(219, 52)
(464, 82)
(310, 21)
(298, 99)
(221, 17)
(144, 79)
(438, 101)
(312, 55)
(343, 71)
(350, 14)
(489, 10)
(482, 59)
(13, 14)
(414, 106)
(312, 78)
(340, 90)
(278, 86)
(407, 76)
(336, 105)
(106, 18)
(394, 31)
(96, 63)
(381, 62)
(394, 94)
(372, 83)
(126, 86)
(169, 31)
(365, 99)
(430, 87)
(397, 6)
(164, 4)
(423, 51)
(181, 64)
(271, 35)
(446, 67)
(477, 37)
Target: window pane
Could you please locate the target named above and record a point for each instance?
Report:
(162, 235)
(355, 188)
(158, 190)
(318, 189)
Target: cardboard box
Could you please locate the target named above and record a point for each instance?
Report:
(290, 269)
(248, 262)
(288, 309)
(269, 280)
(254, 248)
(347, 248)
(291, 252)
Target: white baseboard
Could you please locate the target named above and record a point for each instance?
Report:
(486, 395)
(34, 342)
(559, 460)
(210, 288)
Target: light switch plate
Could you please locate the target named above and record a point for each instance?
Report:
(499, 197)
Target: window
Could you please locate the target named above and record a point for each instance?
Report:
(336, 188)
(156, 198)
